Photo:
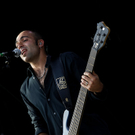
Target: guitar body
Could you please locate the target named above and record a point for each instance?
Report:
(65, 121)
(72, 128)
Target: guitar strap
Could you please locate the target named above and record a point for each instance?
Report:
(61, 83)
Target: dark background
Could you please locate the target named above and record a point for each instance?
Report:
(69, 26)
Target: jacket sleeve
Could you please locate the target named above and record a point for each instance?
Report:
(99, 96)
(39, 124)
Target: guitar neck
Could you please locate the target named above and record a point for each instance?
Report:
(91, 60)
(78, 111)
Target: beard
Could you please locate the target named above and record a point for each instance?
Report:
(30, 56)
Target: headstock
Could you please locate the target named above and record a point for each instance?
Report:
(100, 36)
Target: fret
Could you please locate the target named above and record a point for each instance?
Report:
(82, 93)
(75, 124)
(75, 115)
(76, 119)
(82, 99)
(83, 90)
(92, 57)
(78, 113)
(74, 128)
(80, 96)
(79, 108)
(88, 70)
(91, 64)
(81, 105)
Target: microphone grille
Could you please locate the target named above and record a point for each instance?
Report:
(17, 52)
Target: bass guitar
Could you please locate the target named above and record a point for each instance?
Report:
(98, 42)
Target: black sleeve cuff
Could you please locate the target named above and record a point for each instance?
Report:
(100, 96)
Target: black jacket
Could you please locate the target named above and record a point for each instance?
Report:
(45, 107)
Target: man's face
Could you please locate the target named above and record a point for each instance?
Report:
(26, 43)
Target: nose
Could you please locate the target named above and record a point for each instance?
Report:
(19, 45)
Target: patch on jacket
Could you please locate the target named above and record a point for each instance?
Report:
(61, 83)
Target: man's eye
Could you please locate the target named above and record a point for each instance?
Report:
(25, 40)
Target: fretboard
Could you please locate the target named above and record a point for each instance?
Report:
(79, 107)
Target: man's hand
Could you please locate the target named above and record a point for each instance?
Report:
(91, 82)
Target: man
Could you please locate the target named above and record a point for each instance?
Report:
(39, 90)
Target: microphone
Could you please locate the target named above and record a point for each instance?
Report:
(16, 53)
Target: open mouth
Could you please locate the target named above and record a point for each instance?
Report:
(23, 51)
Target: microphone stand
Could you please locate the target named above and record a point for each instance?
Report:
(7, 62)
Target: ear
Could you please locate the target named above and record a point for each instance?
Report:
(40, 43)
